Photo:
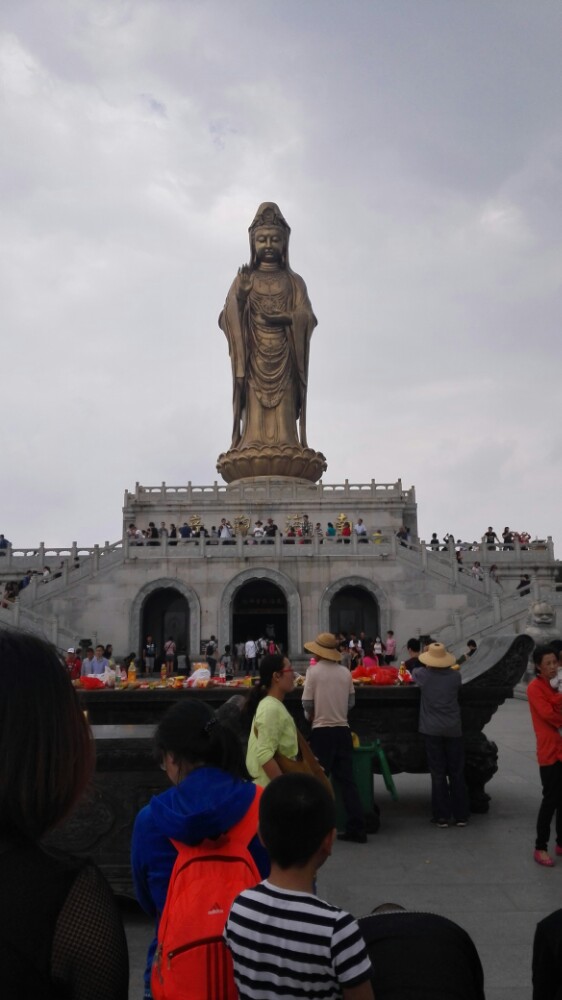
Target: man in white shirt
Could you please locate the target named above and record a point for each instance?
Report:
(360, 530)
(327, 696)
(250, 652)
(258, 532)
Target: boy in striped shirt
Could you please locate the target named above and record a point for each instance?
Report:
(284, 941)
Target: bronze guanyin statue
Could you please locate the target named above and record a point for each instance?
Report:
(268, 322)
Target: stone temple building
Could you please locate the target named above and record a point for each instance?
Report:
(291, 588)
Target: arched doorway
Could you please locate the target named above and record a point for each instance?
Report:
(259, 609)
(165, 613)
(354, 609)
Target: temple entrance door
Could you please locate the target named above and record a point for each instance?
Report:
(166, 613)
(259, 609)
(354, 609)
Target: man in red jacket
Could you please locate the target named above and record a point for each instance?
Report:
(546, 713)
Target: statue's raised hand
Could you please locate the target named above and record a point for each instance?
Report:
(245, 280)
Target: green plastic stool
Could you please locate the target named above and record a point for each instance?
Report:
(363, 774)
(385, 770)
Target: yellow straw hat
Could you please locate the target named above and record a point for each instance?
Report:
(325, 647)
(437, 655)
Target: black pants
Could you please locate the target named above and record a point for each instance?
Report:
(333, 747)
(445, 759)
(551, 779)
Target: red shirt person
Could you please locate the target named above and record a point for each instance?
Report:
(545, 704)
(73, 663)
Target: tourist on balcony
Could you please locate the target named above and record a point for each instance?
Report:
(491, 538)
(258, 532)
(318, 531)
(402, 535)
(330, 530)
(162, 531)
(306, 527)
(185, 531)
(271, 529)
(377, 536)
(360, 530)
(545, 703)
(173, 536)
(434, 542)
(507, 538)
(273, 729)
(61, 932)
(4, 544)
(134, 534)
(226, 534)
(346, 532)
(152, 535)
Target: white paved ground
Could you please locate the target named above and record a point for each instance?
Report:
(484, 876)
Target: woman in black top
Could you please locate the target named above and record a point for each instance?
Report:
(61, 935)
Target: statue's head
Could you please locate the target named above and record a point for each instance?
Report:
(269, 221)
(542, 613)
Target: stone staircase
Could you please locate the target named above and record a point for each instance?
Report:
(25, 620)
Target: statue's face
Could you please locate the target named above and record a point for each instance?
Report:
(270, 244)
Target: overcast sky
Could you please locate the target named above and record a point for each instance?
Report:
(415, 148)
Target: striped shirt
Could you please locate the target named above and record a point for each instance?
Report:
(293, 945)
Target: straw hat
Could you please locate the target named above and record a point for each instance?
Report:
(325, 647)
(437, 655)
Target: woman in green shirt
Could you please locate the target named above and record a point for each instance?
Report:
(273, 729)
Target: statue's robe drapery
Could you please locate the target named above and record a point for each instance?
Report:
(269, 363)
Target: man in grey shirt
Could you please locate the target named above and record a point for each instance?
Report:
(440, 725)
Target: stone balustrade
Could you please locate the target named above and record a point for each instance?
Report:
(269, 487)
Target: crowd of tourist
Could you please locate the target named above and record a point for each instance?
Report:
(203, 831)
(303, 530)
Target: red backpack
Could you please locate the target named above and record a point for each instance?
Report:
(192, 961)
